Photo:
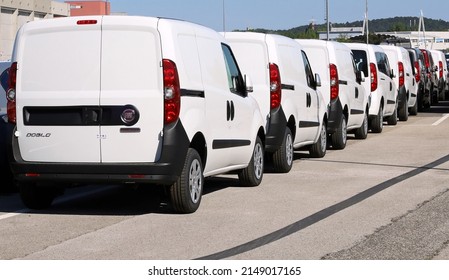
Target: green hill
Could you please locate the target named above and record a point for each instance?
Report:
(375, 25)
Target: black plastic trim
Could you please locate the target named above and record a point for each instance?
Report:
(335, 112)
(287, 87)
(229, 143)
(305, 124)
(276, 130)
(357, 112)
(192, 93)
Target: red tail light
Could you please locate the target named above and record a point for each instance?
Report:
(172, 92)
(401, 74)
(275, 86)
(373, 70)
(11, 93)
(440, 65)
(334, 85)
(418, 72)
(86, 22)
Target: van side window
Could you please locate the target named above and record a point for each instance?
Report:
(353, 65)
(361, 61)
(382, 63)
(235, 79)
(309, 73)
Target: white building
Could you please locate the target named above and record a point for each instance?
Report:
(434, 40)
(15, 13)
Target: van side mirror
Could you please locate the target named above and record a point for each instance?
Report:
(248, 84)
(360, 77)
(317, 80)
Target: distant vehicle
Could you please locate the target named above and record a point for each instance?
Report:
(404, 79)
(419, 72)
(287, 92)
(374, 64)
(430, 96)
(441, 73)
(173, 110)
(342, 89)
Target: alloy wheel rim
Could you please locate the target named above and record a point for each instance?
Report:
(195, 181)
(258, 161)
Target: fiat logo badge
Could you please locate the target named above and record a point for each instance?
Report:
(128, 116)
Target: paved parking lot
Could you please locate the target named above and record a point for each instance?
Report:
(385, 197)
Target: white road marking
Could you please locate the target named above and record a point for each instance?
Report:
(442, 119)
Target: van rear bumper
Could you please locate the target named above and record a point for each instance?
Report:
(165, 171)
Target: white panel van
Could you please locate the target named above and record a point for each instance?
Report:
(130, 100)
(403, 78)
(374, 63)
(286, 90)
(346, 99)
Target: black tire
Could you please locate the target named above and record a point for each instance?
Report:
(318, 150)
(36, 196)
(403, 112)
(340, 137)
(414, 109)
(393, 119)
(252, 175)
(377, 123)
(187, 191)
(283, 157)
(362, 131)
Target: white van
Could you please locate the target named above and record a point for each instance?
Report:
(441, 73)
(373, 62)
(286, 90)
(131, 100)
(345, 97)
(404, 79)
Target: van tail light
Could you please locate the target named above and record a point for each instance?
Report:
(11, 93)
(275, 86)
(373, 71)
(401, 74)
(334, 84)
(440, 65)
(418, 72)
(172, 92)
(86, 22)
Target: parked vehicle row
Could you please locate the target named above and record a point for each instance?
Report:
(186, 102)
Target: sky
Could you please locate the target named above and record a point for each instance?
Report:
(278, 14)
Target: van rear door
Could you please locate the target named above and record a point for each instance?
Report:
(58, 90)
(131, 90)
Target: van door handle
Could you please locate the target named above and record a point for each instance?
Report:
(308, 100)
(356, 93)
(232, 110)
(391, 86)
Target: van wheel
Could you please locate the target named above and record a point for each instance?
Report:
(403, 112)
(377, 123)
(340, 137)
(318, 150)
(283, 157)
(36, 196)
(252, 175)
(393, 119)
(186, 192)
(362, 131)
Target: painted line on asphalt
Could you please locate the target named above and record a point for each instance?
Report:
(442, 119)
(321, 215)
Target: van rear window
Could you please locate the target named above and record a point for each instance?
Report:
(361, 61)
